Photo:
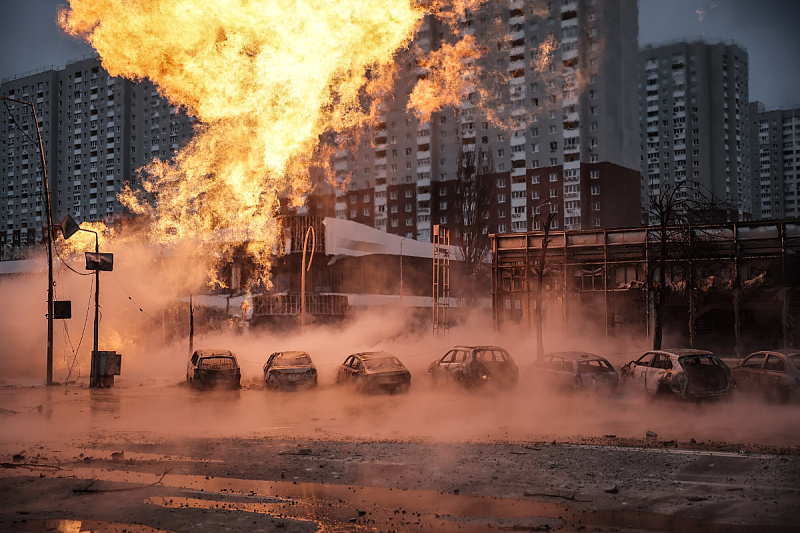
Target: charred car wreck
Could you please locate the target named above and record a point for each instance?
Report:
(290, 371)
(471, 366)
(374, 372)
(210, 368)
(686, 373)
(576, 370)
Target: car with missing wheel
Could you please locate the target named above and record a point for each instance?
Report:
(374, 372)
(772, 373)
(684, 373)
(290, 370)
(213, 368)
(472, 366)
(575, 370)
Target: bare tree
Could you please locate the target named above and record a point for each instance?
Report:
(539, 269)
(472, 207)
(675, 210)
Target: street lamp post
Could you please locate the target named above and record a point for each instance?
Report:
(49, 236)
(97, 263)
(93, 370)
(303, 269)
(401, 270)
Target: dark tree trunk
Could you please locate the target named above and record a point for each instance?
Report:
(538, 320)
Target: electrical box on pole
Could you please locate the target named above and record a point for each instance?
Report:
(62, 309)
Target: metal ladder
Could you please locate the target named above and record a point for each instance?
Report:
(441, 278)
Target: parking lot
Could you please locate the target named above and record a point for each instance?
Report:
(443, 458)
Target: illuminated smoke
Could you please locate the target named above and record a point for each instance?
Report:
(267, 80)
(701, 14)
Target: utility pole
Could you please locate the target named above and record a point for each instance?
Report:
(191, 326)
(49, 238)
(401, 270)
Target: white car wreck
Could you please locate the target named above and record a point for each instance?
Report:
(686, 373)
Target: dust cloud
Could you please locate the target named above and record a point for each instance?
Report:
(150, 397)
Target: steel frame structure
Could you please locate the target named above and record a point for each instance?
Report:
(610, 261)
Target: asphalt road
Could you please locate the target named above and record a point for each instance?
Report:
(153, 456)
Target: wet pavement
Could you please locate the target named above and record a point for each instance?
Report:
(165, 458)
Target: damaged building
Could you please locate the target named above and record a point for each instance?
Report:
(730, 287)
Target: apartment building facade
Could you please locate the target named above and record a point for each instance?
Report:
(97, 130)
(567, 138)
(775, 142)
(694, 109)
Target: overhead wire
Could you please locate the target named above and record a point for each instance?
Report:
(131, 298)
(69, 346)
(14, 120)
(64, 262)
(71, 365)
(37, 145)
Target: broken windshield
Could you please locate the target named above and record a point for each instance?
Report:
(293, 360)
(384, 363)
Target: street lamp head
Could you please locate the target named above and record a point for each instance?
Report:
(68, 226)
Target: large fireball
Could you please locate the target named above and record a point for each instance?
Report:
(264, 78)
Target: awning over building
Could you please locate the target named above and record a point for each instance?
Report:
(344, 237)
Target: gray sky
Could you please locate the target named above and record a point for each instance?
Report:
(768, 29)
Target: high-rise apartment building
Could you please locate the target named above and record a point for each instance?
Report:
(96, 131)
(565, 138)
(775, 141)
(694, 117)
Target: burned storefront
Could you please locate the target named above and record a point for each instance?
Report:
(730, 286)
(330, 268)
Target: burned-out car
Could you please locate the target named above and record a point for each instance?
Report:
(685, 373)
(210, 368)
(373, 372)
(290, 370)
(476, 365)
(773, 373)
(575, 370)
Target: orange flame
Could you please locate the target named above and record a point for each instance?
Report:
(451, 69)
(264, 78)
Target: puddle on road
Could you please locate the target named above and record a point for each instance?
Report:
(339, 508)
(78, 526)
